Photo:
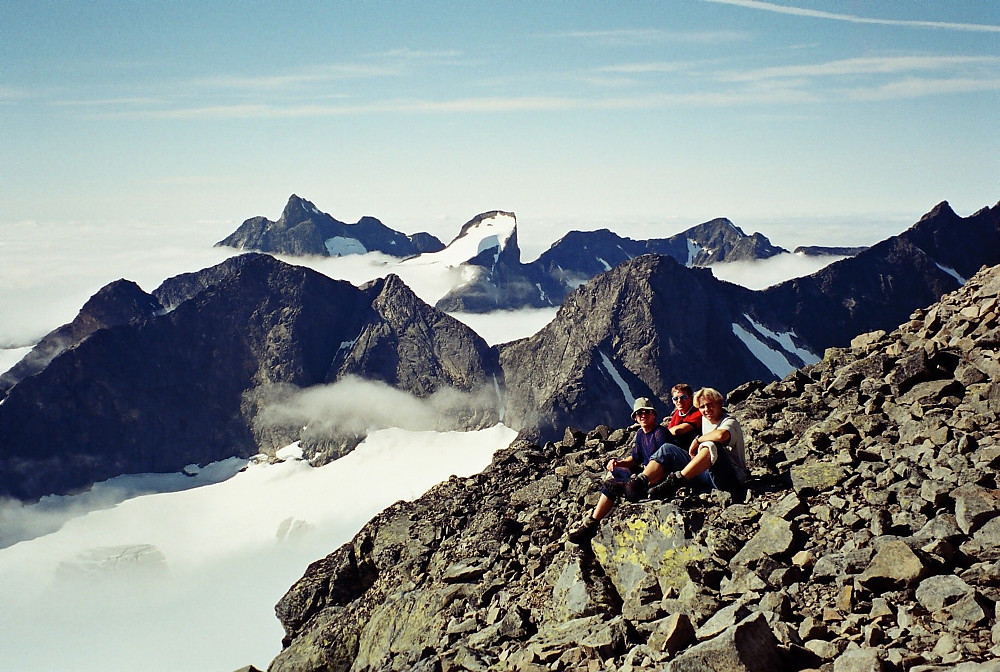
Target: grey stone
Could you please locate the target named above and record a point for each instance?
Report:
(722, 619)
(936, 592)
(775, 537)
(894, 566)
(672, 634)
(748, 646)
(974, 506)
(814, 477)
(858, 660)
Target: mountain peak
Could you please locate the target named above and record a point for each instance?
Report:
(494, 231)
(298, 209)
(941, 209)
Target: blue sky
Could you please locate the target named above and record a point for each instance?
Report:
(426, 114)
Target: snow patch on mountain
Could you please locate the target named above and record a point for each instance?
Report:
(491, 232)
(952, 272)
(693, 249)
(339, 246)
(774, 360)
(612, 370)
(785, 340)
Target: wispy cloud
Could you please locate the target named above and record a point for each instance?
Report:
(642, 68)
(854, 66)
(919, 87)
(644, 36)
(306, 77)
(853, 18)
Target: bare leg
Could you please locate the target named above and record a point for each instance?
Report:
(654, 472)
(603, 507)
(698, 464)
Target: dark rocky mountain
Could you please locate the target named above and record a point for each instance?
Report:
(821, 250)
(120, 302)
(156, 392)
(879, 287)
(870, 538)
(650, 322)
(303, 230)
(580, 255)
(634, 331)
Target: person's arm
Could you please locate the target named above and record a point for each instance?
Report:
(718, 435)
(627, 463)
(682, 428)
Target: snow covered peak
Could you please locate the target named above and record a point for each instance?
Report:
(490, 230)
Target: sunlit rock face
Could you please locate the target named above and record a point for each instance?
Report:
(184, 384)
(303, 229)
(868, 537)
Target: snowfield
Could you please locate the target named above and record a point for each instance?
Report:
(188, 580)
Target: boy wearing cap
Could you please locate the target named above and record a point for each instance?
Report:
(648, 440)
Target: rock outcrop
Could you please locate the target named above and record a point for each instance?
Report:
(870, 538)
(303, 229)
(142, 390)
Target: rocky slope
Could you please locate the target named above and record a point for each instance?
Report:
(303, 229)
(142, 390)
(870, 539)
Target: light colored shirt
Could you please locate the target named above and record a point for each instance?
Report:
(736, 447)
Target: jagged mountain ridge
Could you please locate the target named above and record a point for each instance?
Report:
(495, 280)
(303, 229)
(880, 286)
(505, 283)
(580, 255)
(162, 391)
(870, 538)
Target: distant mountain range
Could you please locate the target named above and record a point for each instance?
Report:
(495, 278)
(153, 382)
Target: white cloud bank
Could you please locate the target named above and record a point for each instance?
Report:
(188, 580)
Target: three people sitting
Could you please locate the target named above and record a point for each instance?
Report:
(714, 455)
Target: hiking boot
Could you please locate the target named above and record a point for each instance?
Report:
(585, 531)
(667, 488)
(637, 488)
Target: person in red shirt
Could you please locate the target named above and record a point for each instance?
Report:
(685, 422)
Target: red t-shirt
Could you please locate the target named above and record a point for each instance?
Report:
(693, 416)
